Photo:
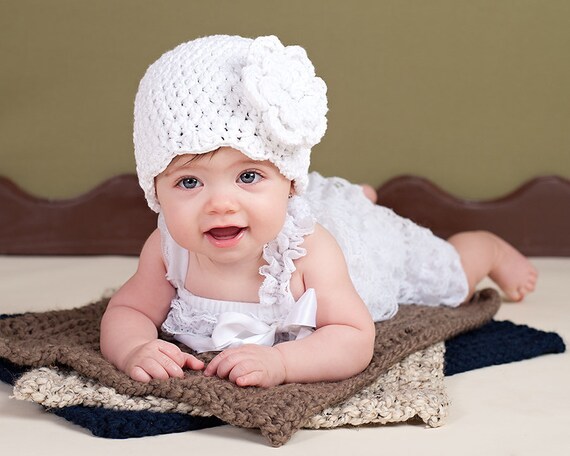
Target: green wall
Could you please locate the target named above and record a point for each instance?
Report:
(474, 95)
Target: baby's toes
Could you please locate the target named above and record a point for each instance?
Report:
(533, 273)
(527, 288)
(515, 295)
(531, 284)
(531, 280)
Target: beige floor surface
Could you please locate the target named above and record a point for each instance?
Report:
(516, 409)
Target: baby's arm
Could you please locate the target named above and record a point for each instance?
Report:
(342, 344)
(129, 334)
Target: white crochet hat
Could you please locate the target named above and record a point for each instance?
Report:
(254, 95)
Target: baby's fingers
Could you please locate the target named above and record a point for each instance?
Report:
(170, 366)
(148, 369)
(224, 362)
(254, 378)
(175, 359)
(140, 375)
(172, 352)
(212, 367)
(192, 362)
(181, 358)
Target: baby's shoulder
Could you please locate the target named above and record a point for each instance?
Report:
(319, 237)
(153, 242)
(152, 248)
(322, 249)
(324, 266)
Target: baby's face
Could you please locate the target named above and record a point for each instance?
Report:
(223, 204)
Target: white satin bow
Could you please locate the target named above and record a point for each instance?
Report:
(234, 328)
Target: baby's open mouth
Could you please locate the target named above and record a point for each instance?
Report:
(225, 233)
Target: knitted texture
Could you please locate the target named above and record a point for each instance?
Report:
(464, 347)
(498, 342)
(412, 387)
(127, 424)
(54, 387)
(71, 338)
(254, 95)
(10, 372)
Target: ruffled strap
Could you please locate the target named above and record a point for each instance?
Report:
(281, 253)
(175, 257)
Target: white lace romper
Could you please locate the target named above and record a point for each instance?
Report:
(390, 259)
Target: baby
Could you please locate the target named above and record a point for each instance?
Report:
(280, 271)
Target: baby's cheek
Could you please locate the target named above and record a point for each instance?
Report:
(184, 235)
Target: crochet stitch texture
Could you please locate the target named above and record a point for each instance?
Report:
(71, 338)
(254, 95)
(515, 342)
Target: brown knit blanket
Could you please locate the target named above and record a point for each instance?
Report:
(71, 338)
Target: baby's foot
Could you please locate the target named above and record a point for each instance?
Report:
(369, 192)
(513, 272)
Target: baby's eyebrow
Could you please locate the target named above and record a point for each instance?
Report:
(181, 164)
(251, 163)
(192, 158)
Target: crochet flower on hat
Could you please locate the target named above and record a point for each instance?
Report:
(281, 84)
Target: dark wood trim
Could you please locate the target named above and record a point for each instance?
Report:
(535, 218)
(113, 218)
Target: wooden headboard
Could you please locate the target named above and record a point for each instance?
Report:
(535, 218)
(113, 218)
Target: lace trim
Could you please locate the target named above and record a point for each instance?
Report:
(175, 257)
(390, 259)
(280, 255)
(183, 319)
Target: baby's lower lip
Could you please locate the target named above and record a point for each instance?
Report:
(225, 237)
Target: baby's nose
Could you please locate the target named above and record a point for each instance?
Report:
(222, 201)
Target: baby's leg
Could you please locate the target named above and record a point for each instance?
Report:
(484, 254)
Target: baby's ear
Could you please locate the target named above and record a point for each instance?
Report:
(292, 189)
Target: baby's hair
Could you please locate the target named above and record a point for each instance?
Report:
(187, 160)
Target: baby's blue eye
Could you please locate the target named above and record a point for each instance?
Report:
(249, 177)
(189, 183)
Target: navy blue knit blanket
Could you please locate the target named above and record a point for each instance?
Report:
(497, 342)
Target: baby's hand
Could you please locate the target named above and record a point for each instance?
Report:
(249, 365)
(159, 359)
